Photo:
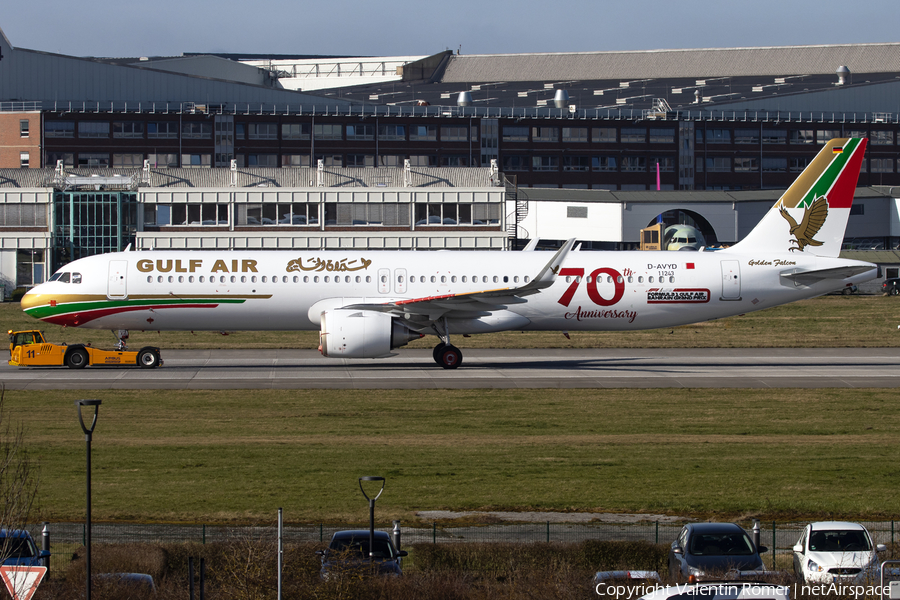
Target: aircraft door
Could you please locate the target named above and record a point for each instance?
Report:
(731, 280)
(400, 280)
(117, 279)
(384, 281)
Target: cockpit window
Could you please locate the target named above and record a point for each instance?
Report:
(55, 276)
(76, 277)
(64, 278)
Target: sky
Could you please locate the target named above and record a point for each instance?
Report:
(113, 28)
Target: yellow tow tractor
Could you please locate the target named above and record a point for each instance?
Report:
(29, 349)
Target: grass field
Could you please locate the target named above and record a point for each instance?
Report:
(828, 321)
(235, 456)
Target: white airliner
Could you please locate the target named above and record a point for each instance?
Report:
(367, 303)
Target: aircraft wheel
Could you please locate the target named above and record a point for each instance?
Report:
(148, 358)
(436, 353)
(450, 357)
(77, 358)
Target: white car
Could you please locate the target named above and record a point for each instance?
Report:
(836, 552)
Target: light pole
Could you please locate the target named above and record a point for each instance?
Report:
(371, 511)
(88, 434)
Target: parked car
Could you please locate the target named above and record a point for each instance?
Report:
(704, 548)
(17, 547)
(721, 590)
(349, 551)
(891, 286)
(836, 552)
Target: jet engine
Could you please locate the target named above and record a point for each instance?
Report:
(348, 333)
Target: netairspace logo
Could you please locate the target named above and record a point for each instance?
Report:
(838, 590)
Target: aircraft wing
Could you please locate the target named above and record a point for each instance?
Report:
(470, 305)
(810, 277)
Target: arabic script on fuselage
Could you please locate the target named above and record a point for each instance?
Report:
(338, 266)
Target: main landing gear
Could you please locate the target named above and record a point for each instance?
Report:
(446, 354)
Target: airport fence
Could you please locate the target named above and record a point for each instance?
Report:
(67, 538)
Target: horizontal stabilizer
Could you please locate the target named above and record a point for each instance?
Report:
(811, 277)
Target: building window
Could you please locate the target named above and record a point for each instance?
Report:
(634, 135)
(662, 136)
(545, 163)
(746, 136)
(855, 133)
(857, 209)
(296, 213)
(361, 132)
(390, 160)
(575, 134)
(29, 267)
(93, 159)
(23, 215)
(24, 160)
(774, 136)
(206, 214)
(295, 131)
(162, 130)
(457, 214)
(392, 133)
(718, 164)
(450, 133)
(295, 160)
(196, 161)
(197, 131)
(68, 159)
(604, 134)
(423, 160)
(59, 129)
(515, 163)
(881, 165)
(328, 131)
(545, 134)
(718, 136)
(746, 164)
(262, 160)
(823, 135)
(224, 137)
(262, 131)
(359, 160)
(666, 164)
(135, 161)
(128, 129)
(577, 212)
(515, 134)
(423, 133)
(799, 164)
(603, 163)
(454, 160)
(576, 163)
(23, 128)
(881, 138)
(774, 165)
(93, 129)
(330, 160)
(163, 161)
(803, 136)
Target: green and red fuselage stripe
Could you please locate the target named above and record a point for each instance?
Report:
(79, 313)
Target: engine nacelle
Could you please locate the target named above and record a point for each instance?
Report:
(348, 333)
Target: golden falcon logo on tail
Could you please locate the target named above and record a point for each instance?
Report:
(812, 222)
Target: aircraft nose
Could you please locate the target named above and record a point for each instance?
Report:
(32, 298)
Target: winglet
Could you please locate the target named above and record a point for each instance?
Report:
(547, 276)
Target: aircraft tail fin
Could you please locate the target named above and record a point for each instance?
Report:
(811, 216)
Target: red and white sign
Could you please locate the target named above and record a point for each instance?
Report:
(22, 582)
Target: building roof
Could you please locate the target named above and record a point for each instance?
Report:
(303, 177)
(881, 257)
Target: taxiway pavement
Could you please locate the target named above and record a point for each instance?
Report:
(544, 368)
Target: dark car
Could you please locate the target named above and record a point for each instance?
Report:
(704, 548)
(349, 551)
(891, 286)
(17, 547)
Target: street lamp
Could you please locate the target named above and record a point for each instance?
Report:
(371, 511)
(88, 433)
